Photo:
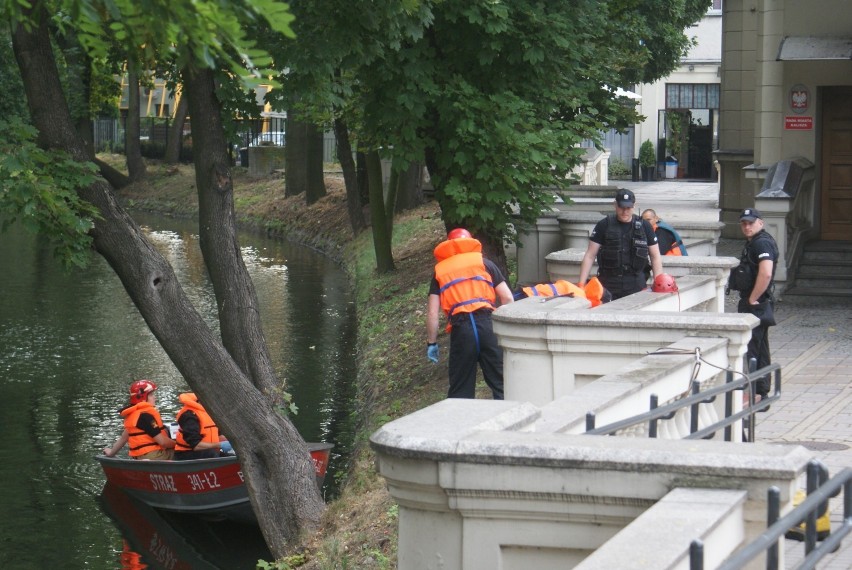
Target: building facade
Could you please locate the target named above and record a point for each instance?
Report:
(787, 96)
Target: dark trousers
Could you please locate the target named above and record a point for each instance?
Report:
(472, 342)
(758, 348)
(623, 285)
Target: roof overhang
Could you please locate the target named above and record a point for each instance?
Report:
(810, 48)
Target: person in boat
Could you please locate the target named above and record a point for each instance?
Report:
(668, 238)
(143, 433)
(468, 287)
(198, 436)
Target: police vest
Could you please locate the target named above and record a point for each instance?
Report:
(621, 252)
(464, 282)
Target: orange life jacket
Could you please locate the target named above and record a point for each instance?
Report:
(464, 282)
(139, 442)
(209, 430)
(593, 291)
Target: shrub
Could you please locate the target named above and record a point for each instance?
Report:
(618, 169)
(646, 154)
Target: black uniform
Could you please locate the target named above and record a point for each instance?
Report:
(759, 248)
(623, 257)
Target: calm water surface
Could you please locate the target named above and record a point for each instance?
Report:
(71, 343)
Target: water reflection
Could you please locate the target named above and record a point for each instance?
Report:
(70, 344)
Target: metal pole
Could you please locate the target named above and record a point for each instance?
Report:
(696, 555)
(773, 512)
(811, 520)
(652, 427)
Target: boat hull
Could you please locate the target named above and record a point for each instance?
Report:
(214, 486)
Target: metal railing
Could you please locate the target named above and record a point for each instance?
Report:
(819, 488)
(693, 401)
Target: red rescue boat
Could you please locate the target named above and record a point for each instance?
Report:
(202, 486)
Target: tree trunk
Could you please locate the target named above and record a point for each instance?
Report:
(350, 177)
(378, 220)
(132, 145)
(278, 469)
(175, 136)
(280, 472)
(303, 159)
(115, 178)
(410, 193)
(295, 156)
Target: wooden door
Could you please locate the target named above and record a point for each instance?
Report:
(836, 166)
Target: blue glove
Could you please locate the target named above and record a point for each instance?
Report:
(432, 353)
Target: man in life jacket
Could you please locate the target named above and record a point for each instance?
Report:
(622, 243)
(594, 291)
(143, 433)
(468, 288)
(668, 239)
(198, 436)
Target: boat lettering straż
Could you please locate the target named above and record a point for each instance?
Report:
(163, 482)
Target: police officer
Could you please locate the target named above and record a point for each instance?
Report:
(753, 278)
(622, 243)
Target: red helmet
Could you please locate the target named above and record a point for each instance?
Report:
(664, 283)
(459, 233)
(140, 389)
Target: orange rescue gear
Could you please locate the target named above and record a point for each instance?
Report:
(209, 430)
(593, 291)
(139, 442)
(464, 282)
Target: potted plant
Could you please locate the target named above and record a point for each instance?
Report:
(647, 160)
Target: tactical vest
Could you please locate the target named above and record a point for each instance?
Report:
(619, 256)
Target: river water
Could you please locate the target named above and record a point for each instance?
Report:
(71, 343)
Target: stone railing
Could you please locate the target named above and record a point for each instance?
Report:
(481, 485)
(565, 264)
(594, 167)
(560, 230)
(787, 204)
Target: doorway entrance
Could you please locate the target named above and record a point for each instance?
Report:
(836, 164)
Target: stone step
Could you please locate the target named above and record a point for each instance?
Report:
(828, 269)
(809, 256)
(800, 290)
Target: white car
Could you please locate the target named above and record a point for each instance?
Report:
(271, 138)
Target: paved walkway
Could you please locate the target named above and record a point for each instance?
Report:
(813, 343)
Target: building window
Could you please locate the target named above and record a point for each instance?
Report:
(692, 96)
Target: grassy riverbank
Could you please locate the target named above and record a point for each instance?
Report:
(394, 377)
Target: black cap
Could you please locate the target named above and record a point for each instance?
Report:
(750, 215)
(625, 198)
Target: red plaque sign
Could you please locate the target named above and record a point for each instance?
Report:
(798, 123)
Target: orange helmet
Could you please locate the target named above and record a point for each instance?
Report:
(140, 389)
(459, 233)
(664, 283)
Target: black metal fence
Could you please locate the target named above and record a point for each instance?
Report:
(819, 490)
(154, 132)
(693, 401)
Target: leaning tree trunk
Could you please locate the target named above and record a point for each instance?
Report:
(276, 463)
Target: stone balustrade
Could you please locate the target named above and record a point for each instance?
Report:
(479, 486)
(567, 227)
(565, 264)
(552, 347)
